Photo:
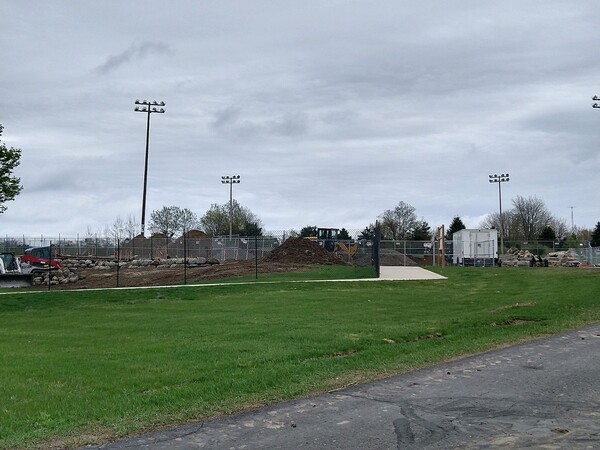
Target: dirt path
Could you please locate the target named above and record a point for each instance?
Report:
(152, 276)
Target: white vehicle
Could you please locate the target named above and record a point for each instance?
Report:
(11, 272)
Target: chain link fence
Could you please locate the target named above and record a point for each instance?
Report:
(353, 250)
(588, 255)
(192, 245)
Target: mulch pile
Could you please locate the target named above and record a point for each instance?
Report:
(301, 251)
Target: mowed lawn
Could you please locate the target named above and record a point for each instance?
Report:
(84, 367)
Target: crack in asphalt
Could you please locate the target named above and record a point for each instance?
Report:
(425, 422)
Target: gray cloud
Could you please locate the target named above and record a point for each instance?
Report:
(235, 122)
(134, 52)
(371, 103)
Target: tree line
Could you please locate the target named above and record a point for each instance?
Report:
(528, 220)
(170, 221)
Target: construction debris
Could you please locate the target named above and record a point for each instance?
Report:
(566, 258)
(524, 258)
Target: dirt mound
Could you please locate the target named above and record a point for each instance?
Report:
(301, 251)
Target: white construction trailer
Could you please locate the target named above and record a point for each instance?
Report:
(475, 247)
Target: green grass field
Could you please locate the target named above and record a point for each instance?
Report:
(82, 367)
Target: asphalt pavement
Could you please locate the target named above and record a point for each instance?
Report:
(541, 394)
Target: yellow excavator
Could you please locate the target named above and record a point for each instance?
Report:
(329, 240)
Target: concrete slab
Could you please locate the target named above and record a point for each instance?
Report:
(399, 273)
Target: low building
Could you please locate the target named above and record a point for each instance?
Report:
(475, 247)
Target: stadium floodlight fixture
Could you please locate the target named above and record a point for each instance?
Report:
(147, 107)
(499, 178)
(502, 178)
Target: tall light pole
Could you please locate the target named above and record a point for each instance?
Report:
(500, 179)
(149, 108)
(572, 222)
(230, 180)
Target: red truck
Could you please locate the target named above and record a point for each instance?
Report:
(40, 257)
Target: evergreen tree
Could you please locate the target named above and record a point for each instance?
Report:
(595, 241)
(422, 231)
(343, 235)
(455, 226)
(368, 233)
(308, 231)
(251, 229)
(548, 234)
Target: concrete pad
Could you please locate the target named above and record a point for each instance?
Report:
(398, 273)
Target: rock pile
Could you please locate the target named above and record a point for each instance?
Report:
(563, 258)
(159, 263)
(70, 267)
(61, 276)
(524, 258)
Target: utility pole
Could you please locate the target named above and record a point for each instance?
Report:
(572, 222)
(230, 180)
(149, 108)
(500, 179)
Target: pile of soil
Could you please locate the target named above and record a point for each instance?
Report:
(301, 251)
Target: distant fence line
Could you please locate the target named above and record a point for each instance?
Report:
(242, 248)
(161, 247)
(221, 247)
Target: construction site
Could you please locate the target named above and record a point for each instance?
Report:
(159, 260)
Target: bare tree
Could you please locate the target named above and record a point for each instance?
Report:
(131, 227)
(531, 216)
(560, 227)
(118, 229)
(509, 229)
(400, 222)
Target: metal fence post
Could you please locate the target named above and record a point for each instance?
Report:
(376, 248)
(184, 258)
(118, 259)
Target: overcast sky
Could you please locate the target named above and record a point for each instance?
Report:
(330, 111)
